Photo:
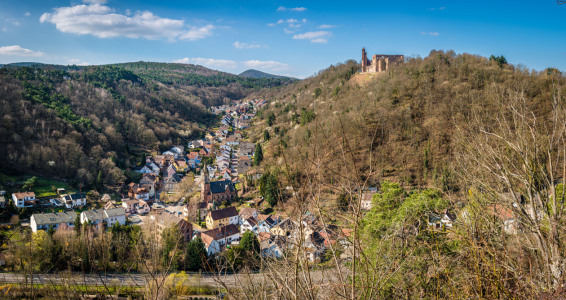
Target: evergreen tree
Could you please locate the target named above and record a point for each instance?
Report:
(271, 119)
(258, 155)
(78, 224)
(249, 243)
(266, 135)
(195, 255)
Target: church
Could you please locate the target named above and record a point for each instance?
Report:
(216, 191)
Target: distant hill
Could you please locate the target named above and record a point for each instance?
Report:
(251, 73)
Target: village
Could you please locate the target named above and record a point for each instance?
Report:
(197, 188)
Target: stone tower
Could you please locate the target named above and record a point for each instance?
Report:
(364, 60)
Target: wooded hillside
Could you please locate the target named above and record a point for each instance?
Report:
(406, 119)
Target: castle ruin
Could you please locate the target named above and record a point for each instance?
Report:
(379, 62)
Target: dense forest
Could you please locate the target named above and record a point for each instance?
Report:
(85, 123)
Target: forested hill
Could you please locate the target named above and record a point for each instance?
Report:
(259, 74)
(406, 118)
(84, 124)
(211, 86)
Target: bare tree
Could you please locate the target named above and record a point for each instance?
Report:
(514, 160)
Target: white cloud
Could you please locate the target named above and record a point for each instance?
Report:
(272, 66)
(101, 21)
(16, 50)
(287, 31)
(208, 62)
(16, 23)
(297, 9)
(280, 21)
(325, 26)
(196, 33)
(291, 21)
(240, 45)
(314, 36)
(95, 1)
(27, 14)
(430, 33)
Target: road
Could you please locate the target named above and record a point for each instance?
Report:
(137, 279)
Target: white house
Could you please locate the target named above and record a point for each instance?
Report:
(249, 224)
(54, 220)
(150, 167)
(26, 199)
(108, 216)
(216, 239)
(74, 200)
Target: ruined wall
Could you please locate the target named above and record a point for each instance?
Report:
(379, 62)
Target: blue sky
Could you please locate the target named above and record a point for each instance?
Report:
(296, 38)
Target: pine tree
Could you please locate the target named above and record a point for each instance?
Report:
(258, 155)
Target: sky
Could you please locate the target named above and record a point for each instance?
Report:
(293, 38)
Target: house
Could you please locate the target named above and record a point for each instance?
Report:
(367, 202)
(222, 217)
(246, 149)
(104, 216)
(170, 171)
(232, 141)
(244, 163)
(166, 220)
(109, 205)
(442, 221)
(284, 228)
(2, 201)
(170, 184)
(226, 174)
(180, 166)
(265, 223)
(130, 205)
(248, 212)
(506, 216)
(178, 150)
(193, 155)
(194, 163)
(216, 239)
(150, 179)
(74, 200)
(138, 192)
(314, 246)
(54, 220)
(273, 247)
(142, 207)
(25, 199)
(150, 167)
(249, 224)
(217, 191)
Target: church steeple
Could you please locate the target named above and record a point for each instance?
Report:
(205, 189)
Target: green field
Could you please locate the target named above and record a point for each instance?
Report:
(42, 188)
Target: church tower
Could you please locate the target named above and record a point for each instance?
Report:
(205, 189)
